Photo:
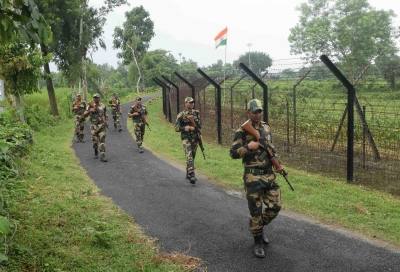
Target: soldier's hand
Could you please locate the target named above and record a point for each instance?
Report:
(135, 113)
(280, 170)
(92, 110)
(253, 145)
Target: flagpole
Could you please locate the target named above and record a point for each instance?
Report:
(225, 62)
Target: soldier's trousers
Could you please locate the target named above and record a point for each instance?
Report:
(262, 189)
(116, 118)
(98, 137)
(139, 132)
(190, 148)
(79, 126)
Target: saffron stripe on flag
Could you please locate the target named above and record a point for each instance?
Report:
(222, 33)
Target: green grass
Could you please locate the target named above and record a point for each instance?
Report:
(333, 202)
(64, 224)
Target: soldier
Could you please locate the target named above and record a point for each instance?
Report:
(138, 112)
(99, 122)
(78, 108)
(188, 136)
(115, 104)
(259, 178)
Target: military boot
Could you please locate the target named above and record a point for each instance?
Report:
(258, 249)
(140, 149)
(96, 154)
(265, 239)
(120, 128)
(192, 178)
(103, 157)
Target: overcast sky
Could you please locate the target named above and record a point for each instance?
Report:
(189, 27)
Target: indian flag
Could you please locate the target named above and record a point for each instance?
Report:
(220, 39)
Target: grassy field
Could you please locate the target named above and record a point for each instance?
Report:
(64, 224)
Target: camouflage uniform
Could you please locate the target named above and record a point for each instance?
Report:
(189, 138)
(98, 129)
(116, 112)
(259, 179)
(79, 121)
(139, 125)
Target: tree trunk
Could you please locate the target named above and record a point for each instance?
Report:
(17, 102)
(49, 84)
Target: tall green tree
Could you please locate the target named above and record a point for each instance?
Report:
(259, 61)
(134, 38)
(350, 30)
(137, 25)
(77, 27)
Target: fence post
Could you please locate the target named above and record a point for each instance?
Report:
(263, 86)
(177, 93)
(164, 100)
(167, 98)
(350, 117)
(187, 83)
(219, 104)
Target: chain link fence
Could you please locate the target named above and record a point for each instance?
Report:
(307, 110)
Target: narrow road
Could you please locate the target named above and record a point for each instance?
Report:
(207, 222)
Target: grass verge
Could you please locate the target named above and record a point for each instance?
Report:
(64, 224)
(332, 202)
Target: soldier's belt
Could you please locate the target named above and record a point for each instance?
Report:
(257, 171)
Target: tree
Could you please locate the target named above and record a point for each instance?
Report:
(350, 30)
(23, 17)
(70, 37)
(389, 68)
(259, 61)
(139, 25)
(20, 68)
(134, 38)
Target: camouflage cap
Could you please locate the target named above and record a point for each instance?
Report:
(139, 98)
(115, 94)
(96, 95)
(189, 99)
(78, 94)
(254, 105)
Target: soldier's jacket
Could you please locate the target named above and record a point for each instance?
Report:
(98, 116)
(117, 102)
(142, 110)
(250, 158)
(182, 122)
(81, 109)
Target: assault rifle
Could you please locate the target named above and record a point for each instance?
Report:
(140, 114)
(197, 131)
(277, 166)
(102, 118)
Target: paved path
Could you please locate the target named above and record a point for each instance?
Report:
(211, 224)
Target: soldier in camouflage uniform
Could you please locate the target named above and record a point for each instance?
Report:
(137, 112)
(115, 104)
(259, 178)
(78, 108)
(188, 136)
(99, 122)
